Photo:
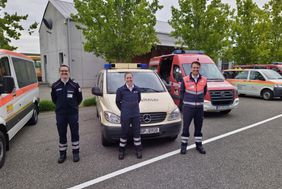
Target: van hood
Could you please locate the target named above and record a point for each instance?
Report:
(150, 102)
(220, 85)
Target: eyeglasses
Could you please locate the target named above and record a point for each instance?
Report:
(64, 71)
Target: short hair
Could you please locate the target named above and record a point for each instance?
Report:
(64, 65)
(196, 62)
(126, 73)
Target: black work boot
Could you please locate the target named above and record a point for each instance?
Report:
(63, 156)
(139, 154)
(76, 157)
(121, 153)
(183, 149)
(200, 148)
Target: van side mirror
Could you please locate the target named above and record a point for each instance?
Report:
(96, 91)
(7, 84)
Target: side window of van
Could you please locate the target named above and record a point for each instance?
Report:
(25, 72)
(255, 75)
(242, 75)
(4, 67)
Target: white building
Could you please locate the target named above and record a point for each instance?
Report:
(62, 43)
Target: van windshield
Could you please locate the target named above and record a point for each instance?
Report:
(270, 74)
(147, 81)
(210, 71)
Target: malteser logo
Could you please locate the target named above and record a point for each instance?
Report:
(150, 99)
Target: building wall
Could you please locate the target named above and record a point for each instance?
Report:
(52, 42)
(85, 66)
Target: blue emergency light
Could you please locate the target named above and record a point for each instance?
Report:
(125, 66)
(143, 66)
(107, 66)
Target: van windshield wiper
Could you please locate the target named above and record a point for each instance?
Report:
(149, 89)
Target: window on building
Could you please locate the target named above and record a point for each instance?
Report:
(4, 67)
(61, 58)
(25, 72)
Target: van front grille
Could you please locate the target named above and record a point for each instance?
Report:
(222, 98)
(152, 117)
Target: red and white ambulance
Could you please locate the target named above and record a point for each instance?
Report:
(221, 96)
(19, 96)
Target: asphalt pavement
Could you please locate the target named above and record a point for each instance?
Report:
(248, 159)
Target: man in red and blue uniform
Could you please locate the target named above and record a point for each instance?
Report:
(192, 92)
(128, 98)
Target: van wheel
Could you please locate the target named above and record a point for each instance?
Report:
(267, 94)
(104, 141)
(225, 112)
(33, 120)
(173, 138)
(2, 149)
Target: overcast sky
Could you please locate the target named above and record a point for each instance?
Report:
(35, 10)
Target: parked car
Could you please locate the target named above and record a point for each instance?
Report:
(264, 83)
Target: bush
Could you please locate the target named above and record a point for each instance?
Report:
(46, 105)
(89, 102)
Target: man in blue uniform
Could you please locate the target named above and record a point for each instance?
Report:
(192, 92)
(66, 95)
(127, 99)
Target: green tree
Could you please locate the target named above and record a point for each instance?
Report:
(10, 27)
(274, 9)
(203, 26)
(117, 30)
(251, 29)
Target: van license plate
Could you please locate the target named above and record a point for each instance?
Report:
(150, 130)
(222, 107)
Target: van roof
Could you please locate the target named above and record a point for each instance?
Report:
(129, 70)
(187, 58)
(11, 53)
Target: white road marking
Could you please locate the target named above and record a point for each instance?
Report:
(164, 156)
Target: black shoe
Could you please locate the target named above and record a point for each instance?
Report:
(139, 154)
(200, 149)
(62, 158)
(121, 155)
(76, 158)
(183, 150)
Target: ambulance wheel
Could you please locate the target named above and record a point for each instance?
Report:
(104, 141)
(267, 94)
(2, 149)
(225, 112)
(33, 120)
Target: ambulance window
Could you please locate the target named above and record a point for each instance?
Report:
(4, 67)
(25, 72)
(255, 75)
(242, 75)
(177, 73)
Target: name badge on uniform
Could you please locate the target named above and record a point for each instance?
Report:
(69, 95)
(59, 89)
(135, 91)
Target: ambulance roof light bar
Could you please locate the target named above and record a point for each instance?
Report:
(125, 66)
(179, 51)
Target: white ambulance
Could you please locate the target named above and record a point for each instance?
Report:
(19, 96)
(159, 116)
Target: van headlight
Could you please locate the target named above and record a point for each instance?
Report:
(175, 114)
(278, 85)
(112, 118)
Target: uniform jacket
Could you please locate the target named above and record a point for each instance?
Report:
(66, 97)
(128, 101)
(192, 93)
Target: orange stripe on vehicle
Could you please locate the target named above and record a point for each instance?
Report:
(6, 99)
